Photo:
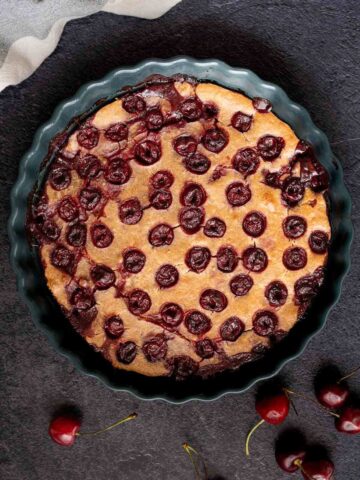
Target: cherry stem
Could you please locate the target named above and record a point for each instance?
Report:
(191, 451)
(349, 375)
(247, 451)
(309, 399)
(113, 425)
(298, 463)
(291, 402)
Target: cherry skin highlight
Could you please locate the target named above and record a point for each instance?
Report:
(130, 212)
(241, 284)
(102, 276)
(318, 241)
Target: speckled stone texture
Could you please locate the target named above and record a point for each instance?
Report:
(311, 49)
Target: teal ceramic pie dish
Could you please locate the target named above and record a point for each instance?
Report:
(47, 314)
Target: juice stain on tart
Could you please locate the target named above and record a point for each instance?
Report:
(182, 228)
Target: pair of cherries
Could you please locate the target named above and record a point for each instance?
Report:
(273, 410)
(292, 454)
(334, 396)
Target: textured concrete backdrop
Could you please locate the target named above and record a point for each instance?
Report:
(310, 48)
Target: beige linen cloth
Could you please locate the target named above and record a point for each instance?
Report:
(31, 29)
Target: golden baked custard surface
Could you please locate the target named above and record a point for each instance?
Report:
(183, 228)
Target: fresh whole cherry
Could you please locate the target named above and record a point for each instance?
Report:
(317, 469)
(64, 429)
(272, 409)
(333, 395)
(349, 421)
(292, 455)
(290, 460)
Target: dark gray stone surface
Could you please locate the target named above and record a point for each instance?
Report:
(311, 49)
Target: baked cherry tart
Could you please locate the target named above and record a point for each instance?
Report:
(182, 228)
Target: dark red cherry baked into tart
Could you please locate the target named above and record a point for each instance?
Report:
(182, 228)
